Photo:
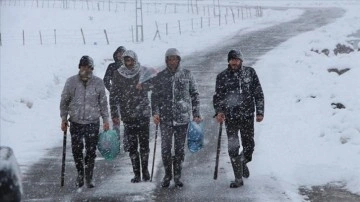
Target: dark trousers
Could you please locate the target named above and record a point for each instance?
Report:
(137, 134)
(245, 125)
(79, 133)
(167, 134)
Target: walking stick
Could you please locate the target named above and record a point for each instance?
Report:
(63, 160)
(218, 153)
(153, 163)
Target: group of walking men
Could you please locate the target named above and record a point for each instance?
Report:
(174, 101)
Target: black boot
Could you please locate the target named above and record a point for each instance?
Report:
(89, 169)
(135, 161)
(177, 172)
(246, 172)
(80, 170)
(238, 172)
(168, 172)
(80, 178)
(144, 167)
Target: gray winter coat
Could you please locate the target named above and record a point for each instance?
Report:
(84, 103)
(175, 96)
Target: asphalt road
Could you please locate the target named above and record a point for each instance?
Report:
(41, 182)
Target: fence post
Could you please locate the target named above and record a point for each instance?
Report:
(167, 32)
(179, 26)
(82, 33)
(23, 33)
(242, 13)
(106, 36)
(233, 15)
(0, 40)
(157, 32)
(192, 24)
(201, 22)
(40, 38)
(55, 35)
(132, 33)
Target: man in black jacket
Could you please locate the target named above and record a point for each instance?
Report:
(134, 107)
(237, 93)
(174, 98)
(113, 67)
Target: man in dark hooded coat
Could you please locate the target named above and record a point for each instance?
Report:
(238, 95)
(113, 67)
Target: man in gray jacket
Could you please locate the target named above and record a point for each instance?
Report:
(175, 97)
(84, 100)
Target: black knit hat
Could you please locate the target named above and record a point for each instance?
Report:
(235, 54)
(86, 60)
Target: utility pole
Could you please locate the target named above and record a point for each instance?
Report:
(139, 21)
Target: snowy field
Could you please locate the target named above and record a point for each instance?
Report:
(310, 141)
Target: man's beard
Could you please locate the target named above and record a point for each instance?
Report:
(85, 75)
(235, 67)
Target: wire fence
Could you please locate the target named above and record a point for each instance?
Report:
(205, 17)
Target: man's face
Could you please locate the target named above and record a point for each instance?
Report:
(85, 70)
(235, 63)
(172, 62)
(118, 56)
(129, 62)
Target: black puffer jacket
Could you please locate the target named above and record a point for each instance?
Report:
(237, 93)
(175, 96)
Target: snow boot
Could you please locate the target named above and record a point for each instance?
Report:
(135, 161)
(238, 172)
(237, 183)
(177, 172)
(144, 167)
(80, 179)
(89, 169)
(246, 172)
(80, 170)
(168, 172)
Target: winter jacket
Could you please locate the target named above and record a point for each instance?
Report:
(134, 104)
(238, 92)
(84, 102)
(110, 70)
(175, 96)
